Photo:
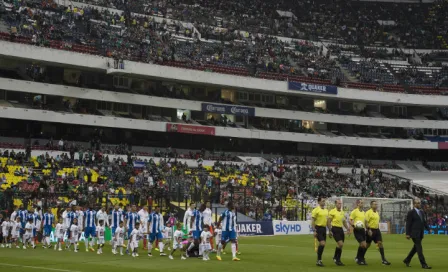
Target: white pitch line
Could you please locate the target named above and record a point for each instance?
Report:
(37, 267)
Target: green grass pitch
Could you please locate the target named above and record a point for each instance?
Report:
(270, 254)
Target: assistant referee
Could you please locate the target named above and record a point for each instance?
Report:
(373, 230)
(360, 233)
(336, 219)
(319, 224)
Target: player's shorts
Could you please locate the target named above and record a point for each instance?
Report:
(206, 246)
(338, 234)
(321, 233)
(26, 237)
(155, 236)
(376, 236)
(120, 241)
(133, 245)
(15, 236)
(228, 235)
(47, 230)
(177, 245)
(74, 239)
(89, 232)
(59, 237)
(360, 235)
(5, 234)
(100, 241)
(197, 234)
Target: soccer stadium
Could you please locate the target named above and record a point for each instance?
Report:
(199, 135)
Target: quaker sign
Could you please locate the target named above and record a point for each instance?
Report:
(254, 228)
(228, 109)
(312, 88)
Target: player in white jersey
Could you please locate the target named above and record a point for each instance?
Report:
(188, 216)
(28, 236)
(15, 231)
(6, 226)
(100, 230)
(144, 215)
(135, 236)
(80, 216)
(59, 234)
(119, 239)
(178, 242)
(205, 243)
(207, 217)
(218, 235)
(74, 234)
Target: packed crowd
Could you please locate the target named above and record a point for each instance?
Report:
(221, 44)
(276, 188)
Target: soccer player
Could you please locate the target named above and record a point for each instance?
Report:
(59, 234)
(23, 214)
(360, 233)
(144, 215)
(218, 235)
(28, 236)
(6, 225)
(131, 218)
(188, 216)
(207, 214)
(67, 221)
(34, 218)
(74, 234)
(373, 230)
(80, 215)
(228, 220)
(155, 227)
(116, 218)
(205, 243)
(100, 239)
(177, 241)
(90, 228)
(196, 225)
(135, 235)
(167, 232)
(119, 238)
(47, 225)
(15, 231)
(336, 219)
(319, 217)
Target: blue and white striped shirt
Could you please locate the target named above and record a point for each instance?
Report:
(90, 217)
(117, 217)
(198, 220)
(33, 217)
(155, 224)
(72, 215)
(48, 219)
(132, 218)
(23, 216)
(228, 220)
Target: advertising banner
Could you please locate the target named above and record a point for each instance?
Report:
(190, 129)
(291, 227)
(384, 227)
(228, 109)
(313, 88)
(254, 228)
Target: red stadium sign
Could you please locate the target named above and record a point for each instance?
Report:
(189, 129)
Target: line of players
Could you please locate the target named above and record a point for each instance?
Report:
(365, 229)
(23, 225)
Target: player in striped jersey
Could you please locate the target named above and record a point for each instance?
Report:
(34, 217)
(197, 222)
(155, 227)
(89, 228)
(131, 218)
(23, 214)
(228, 221)
(47, 225)
(116, 219)
(71, 216)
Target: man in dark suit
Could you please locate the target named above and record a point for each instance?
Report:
(415, 226)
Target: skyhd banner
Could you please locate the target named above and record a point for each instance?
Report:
(254, 228)
(291, 227)
(313, 88)
(228, 109)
